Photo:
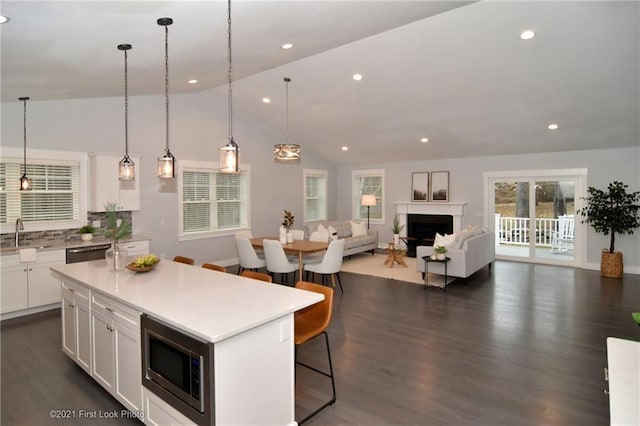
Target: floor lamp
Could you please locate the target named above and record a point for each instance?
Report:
(368, 200)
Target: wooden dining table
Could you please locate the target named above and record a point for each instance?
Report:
(299, 247)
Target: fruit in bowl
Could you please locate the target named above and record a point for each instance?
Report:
(146, 261)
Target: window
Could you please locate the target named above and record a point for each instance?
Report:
(315, 195)
(368, 182)
(53, 203)
(212, 202)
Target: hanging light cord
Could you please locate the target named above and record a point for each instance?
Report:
(126, 109)
(25, 134)
(229, 70)
(166, 80)
(286, 135)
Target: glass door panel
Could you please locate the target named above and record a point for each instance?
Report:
(555, 220)
(512, 213)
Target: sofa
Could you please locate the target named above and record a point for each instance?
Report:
(470, 250)
(343, 228)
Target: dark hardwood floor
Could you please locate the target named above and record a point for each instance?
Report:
(523, 345)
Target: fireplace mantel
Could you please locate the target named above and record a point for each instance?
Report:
(454, 208)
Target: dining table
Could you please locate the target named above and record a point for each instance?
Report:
(299, 247)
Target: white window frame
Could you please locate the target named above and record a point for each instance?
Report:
(41, 156)
(211, 167)
(356, 175)
(306, 173)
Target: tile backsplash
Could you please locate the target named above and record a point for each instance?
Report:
(27, 237)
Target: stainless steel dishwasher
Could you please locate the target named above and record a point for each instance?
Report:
(82, 254)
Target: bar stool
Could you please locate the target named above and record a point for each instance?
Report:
(214, 267)
(186, 260)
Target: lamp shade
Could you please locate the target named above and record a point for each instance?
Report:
(368, 200)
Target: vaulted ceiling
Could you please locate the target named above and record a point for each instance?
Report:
(456, 73)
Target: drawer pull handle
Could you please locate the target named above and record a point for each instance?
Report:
(606, 374)
(71, 305)
(110, 309)
(72, 290)
(606, 392)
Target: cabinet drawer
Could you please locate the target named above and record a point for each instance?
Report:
(123, 315)
(136, 248)
(81, 293)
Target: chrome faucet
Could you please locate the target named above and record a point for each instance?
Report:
(19, 227)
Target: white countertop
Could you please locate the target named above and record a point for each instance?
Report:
(209, 304)
(46, 245)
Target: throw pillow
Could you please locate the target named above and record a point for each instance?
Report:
(333, 233)
(320, 234)
(358, 229)
(444, 240)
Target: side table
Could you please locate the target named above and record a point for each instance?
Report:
(427, 260)
(395, 255)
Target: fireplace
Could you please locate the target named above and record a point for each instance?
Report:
(422, 229)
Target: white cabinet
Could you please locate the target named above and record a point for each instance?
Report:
(158, 412)
(136, 248)
(76, 334)
(107, 188)
(29, 285)
(116, 362)
(623, 360)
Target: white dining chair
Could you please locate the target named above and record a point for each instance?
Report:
(247, 256)
(298, 234)
(330, 264)
(277, 261)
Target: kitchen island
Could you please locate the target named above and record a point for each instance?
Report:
(249, 323)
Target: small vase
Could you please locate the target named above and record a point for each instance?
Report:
(441, 256)
(116, 257)
(283, 235)
(396, 239)
(289, 237)
(86, 237)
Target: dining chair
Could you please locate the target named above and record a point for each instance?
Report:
(257, 276)
(247, 256)
(330, 264)
(186, 260)
(310, 323)
(298, 234)
(214, 267)
(277, 261)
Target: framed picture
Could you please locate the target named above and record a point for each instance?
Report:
(440, 187)
(420, 186)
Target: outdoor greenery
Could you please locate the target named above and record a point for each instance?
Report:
(613, 211)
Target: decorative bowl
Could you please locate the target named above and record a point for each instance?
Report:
(135, 268)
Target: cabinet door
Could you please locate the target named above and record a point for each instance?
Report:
(103, 355)
(44, 289)
(623, 359)
(128, 367)
(14, 288)
(137, 248)
(104, 181)
(83, 333)
(68, 324)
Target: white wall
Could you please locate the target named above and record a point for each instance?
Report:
(466, 184)
(198, 126)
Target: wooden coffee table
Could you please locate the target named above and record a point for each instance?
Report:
(395, 255)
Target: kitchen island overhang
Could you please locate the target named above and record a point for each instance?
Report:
(249, 323)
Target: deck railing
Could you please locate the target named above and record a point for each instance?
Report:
(515, 230)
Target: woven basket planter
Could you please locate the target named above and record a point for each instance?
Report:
(611, 264)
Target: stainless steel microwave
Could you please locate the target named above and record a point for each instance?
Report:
(178, 368)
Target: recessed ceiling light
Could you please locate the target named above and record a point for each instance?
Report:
(527, 35)
(345, 148)
(424, 140)
(266, 100)
(4, 19)
(287, 45)
(194, 81)
(357, 77)
(552, 126)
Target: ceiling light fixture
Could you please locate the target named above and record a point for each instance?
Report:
(424, 140)
(552, 126)
(286, 152)
(126, 170)
(166, 163)
(25, 184)
(229, 152)
(4, 19)
(357, 77)
(527, 35)
(287, 46)
(345, 148)
(194, 81)
(266, 100)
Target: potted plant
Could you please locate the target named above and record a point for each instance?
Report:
(86, 232)
(441, 252)
(396, 228)
(287, 223)
(613, 211)
(116, 256)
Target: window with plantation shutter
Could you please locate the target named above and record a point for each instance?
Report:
(315, 195)
(212, 201)
(368, 182)
(55, 196)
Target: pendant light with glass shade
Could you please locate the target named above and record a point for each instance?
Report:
(286, 152)
(25, 184)
(126, 170)
(229, 152)
(166, 163)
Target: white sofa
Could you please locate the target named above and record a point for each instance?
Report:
(476, 252)
(352, 244)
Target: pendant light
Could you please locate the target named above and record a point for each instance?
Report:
(25, 184)
(286, 152)
(229, 152)
(166, 163)
(126, 169)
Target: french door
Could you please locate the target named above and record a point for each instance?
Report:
(534, 215)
